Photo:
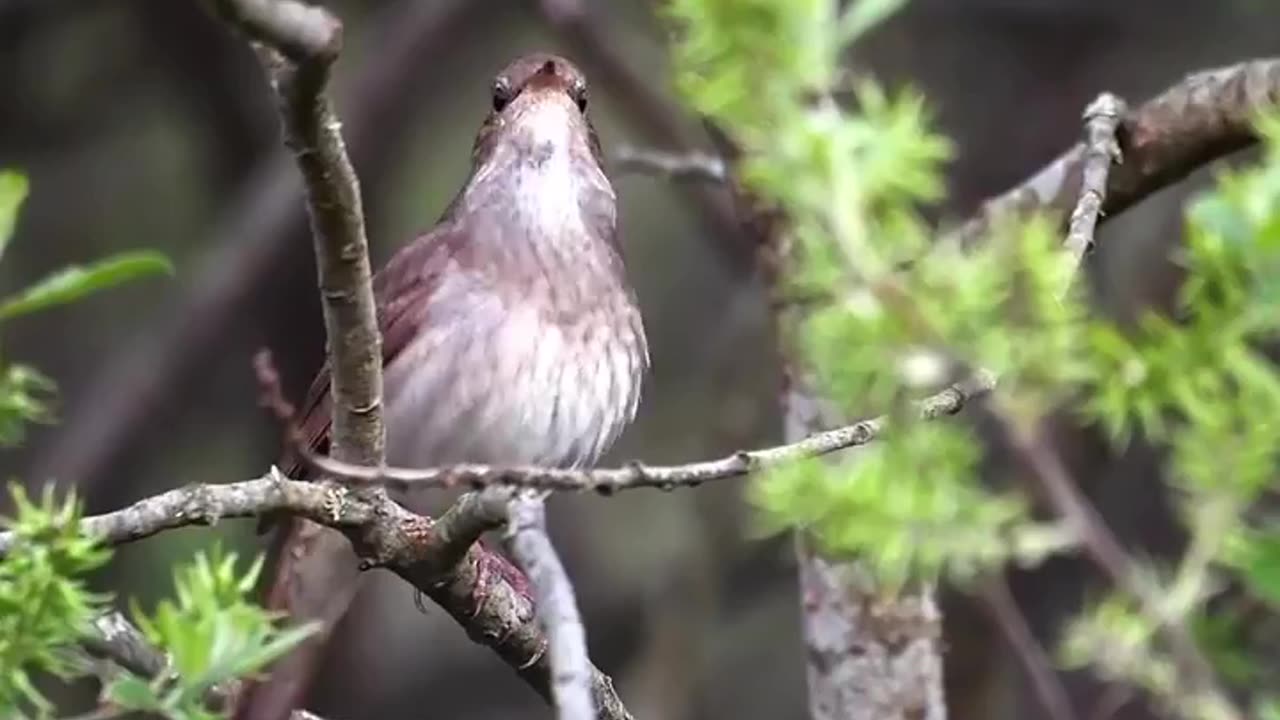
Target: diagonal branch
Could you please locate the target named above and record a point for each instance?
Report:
(116, 639)
(1064, 496)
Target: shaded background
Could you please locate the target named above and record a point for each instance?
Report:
(144, 123)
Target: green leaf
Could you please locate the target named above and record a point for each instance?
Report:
(45, 606)
(73, 283)
(132, 693)
(13, 191)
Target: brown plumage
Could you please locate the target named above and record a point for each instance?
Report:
(509, 333)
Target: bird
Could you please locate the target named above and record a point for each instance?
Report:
(511, 335)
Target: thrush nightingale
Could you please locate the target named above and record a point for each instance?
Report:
(510, 334)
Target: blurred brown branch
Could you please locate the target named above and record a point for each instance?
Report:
(1195, 674)
(1100, 155)
(1006, 614)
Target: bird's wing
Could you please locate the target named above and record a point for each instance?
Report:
(400, 290)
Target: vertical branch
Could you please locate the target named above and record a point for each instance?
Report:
(1101, 119)
(869, 656)
(316, 580)
(313, 133)
(555, 604)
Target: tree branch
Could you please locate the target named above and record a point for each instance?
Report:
(691, 165)
(1205, 117)
(117, 640)
(557, 609)
(438, 558)
(638, 475)
(301, 32)
(309, 39)
(1048, 687)
(1102, 119)
(474, 514)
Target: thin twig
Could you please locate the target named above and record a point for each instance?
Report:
(1044, 679)
(1195, 673)
(691, 165)
(1101, 149)
(557, 609)
(638, 475)
(327, 505)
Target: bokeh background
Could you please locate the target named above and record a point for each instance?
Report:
(144, 123)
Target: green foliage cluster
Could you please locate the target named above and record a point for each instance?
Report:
(891, 315)
(45, 607)
(851, 183)
(211, 634)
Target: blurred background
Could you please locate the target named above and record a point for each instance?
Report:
(144, 123)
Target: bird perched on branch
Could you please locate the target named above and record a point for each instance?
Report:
(510, 335)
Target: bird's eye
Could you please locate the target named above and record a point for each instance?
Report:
(501, 94)
(579, 94)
